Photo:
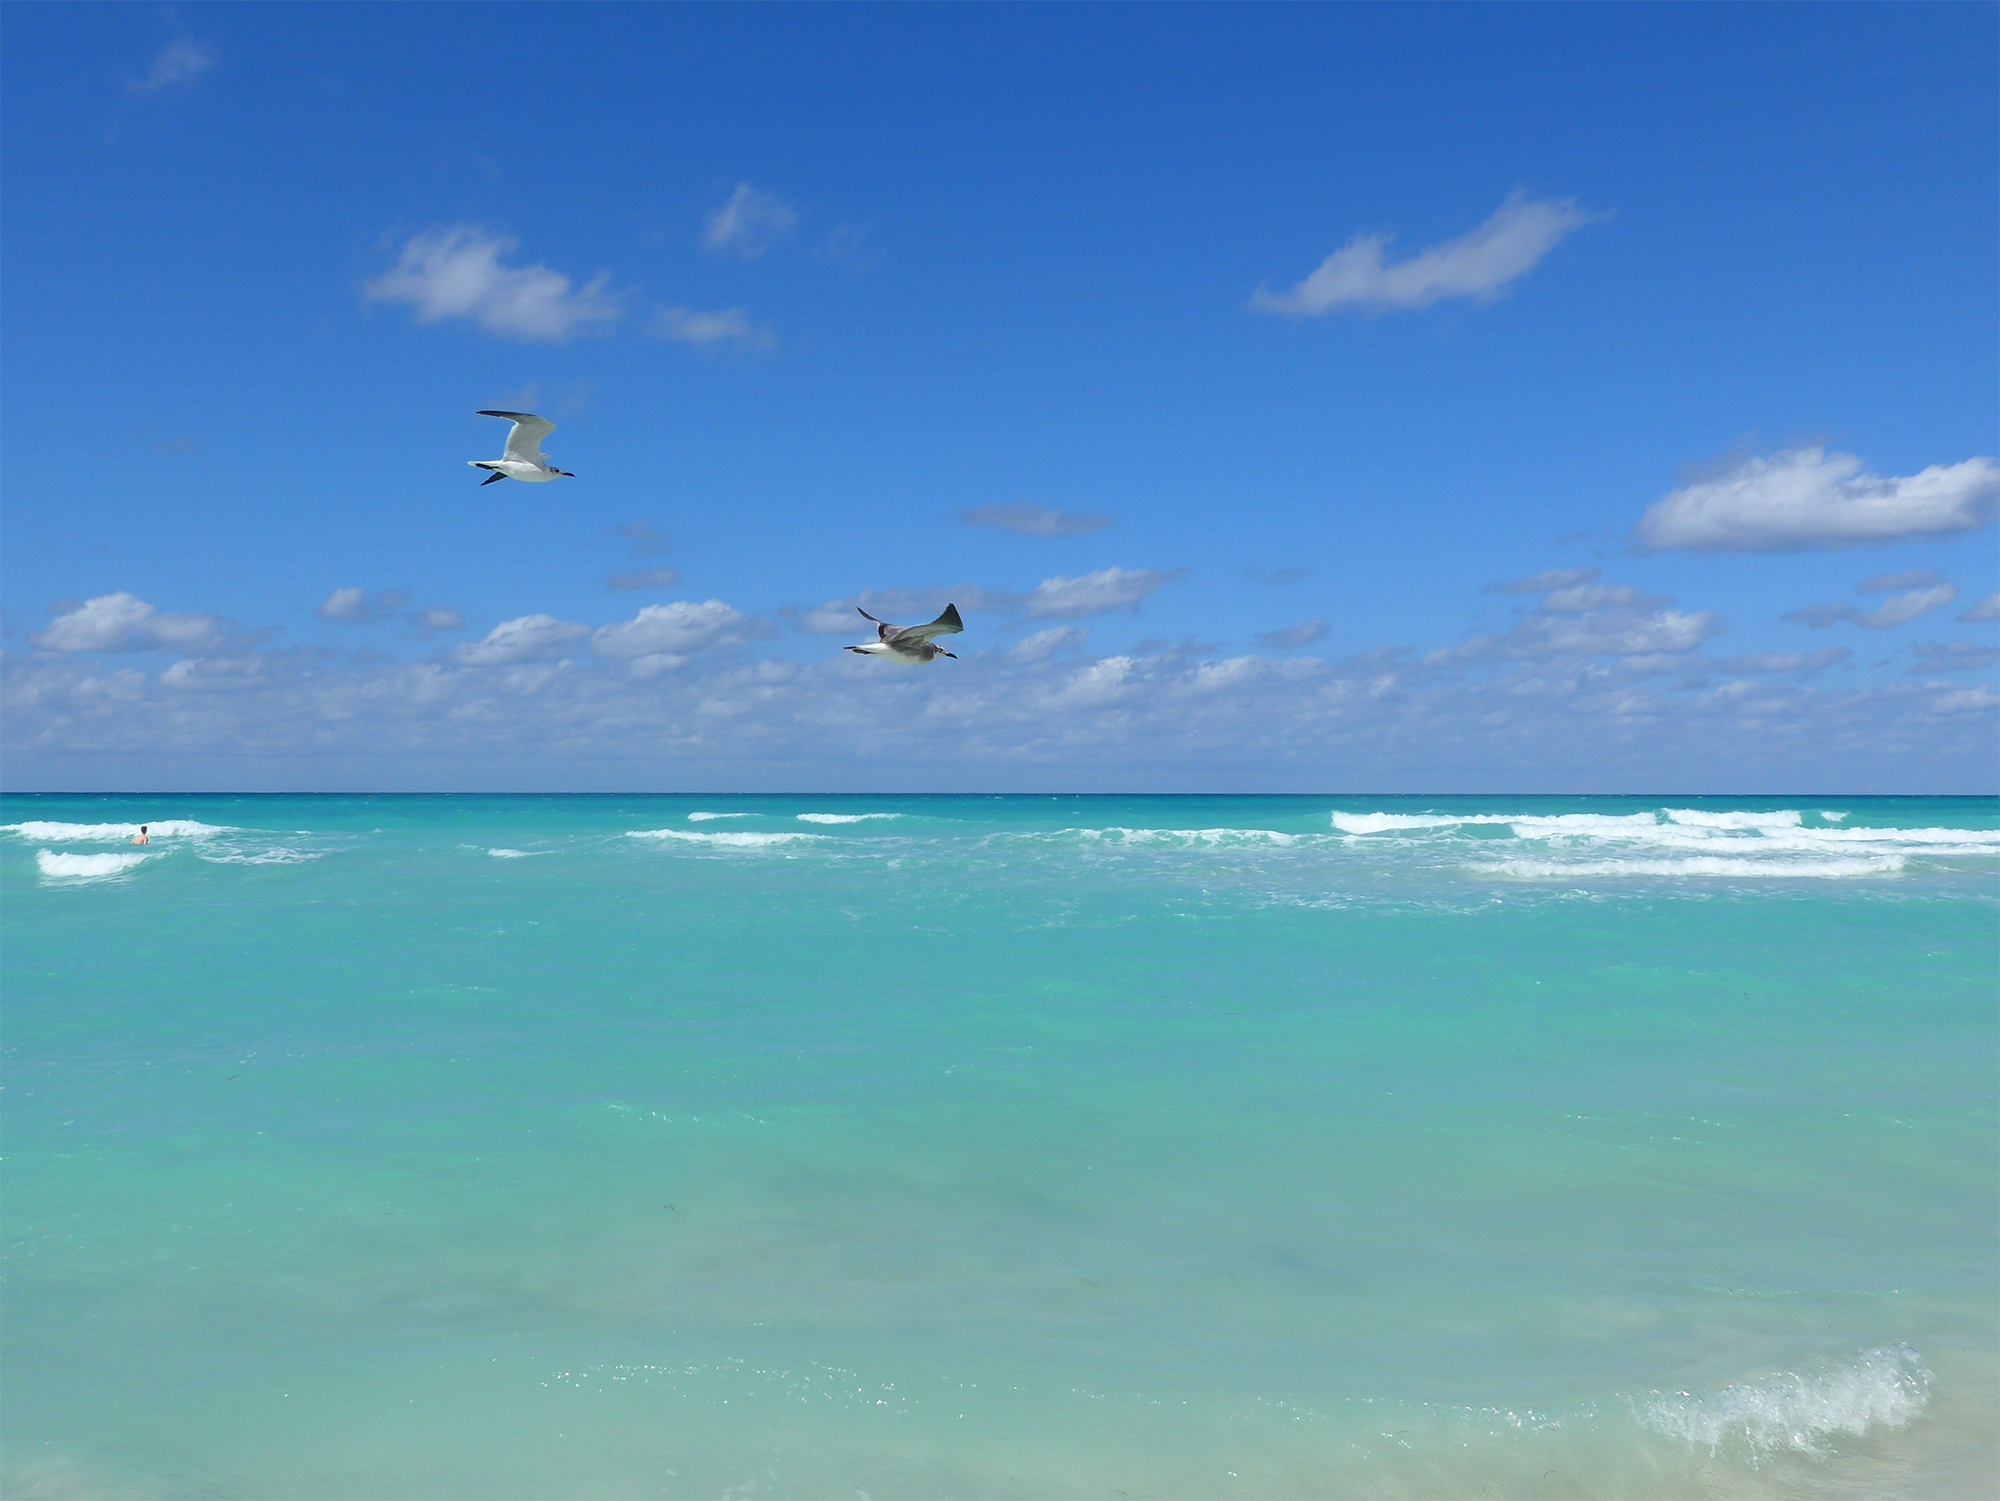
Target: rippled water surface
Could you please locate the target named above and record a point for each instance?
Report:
(1000, 1146)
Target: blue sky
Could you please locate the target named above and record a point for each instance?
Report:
(1423, 398)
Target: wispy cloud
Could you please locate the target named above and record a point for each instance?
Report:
(1108, 591)
(1588, 619)
(436, 620)
(123, 622)
(181, 61)
(1293, 636)
(749, 224)
(1810, 498)
(1479, 264)
(1044, 645)
(722, 327)
(642, 539)
(356, 606)
(644, 578)
(1952, 656)
(837, 617)
(1987, 609)
(1897, 609)
(1543, 582)
(529, 638)
(1027, 520)
(1291, 574)
(457, 273)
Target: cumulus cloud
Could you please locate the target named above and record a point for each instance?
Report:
(1043, 645)
(664, 636)
(529, 638)
(1810, 498)
(356, 606)
(181, 61)
(1897, 609)
(457, 273)
(1108, 591)
(749, 224)
(1952, 656)
(1479, 264)
(1987, 609)
(645, 578)
(727, 326)
(121, 622)
(1035, 521)
(1579, 618)
(1292, 636)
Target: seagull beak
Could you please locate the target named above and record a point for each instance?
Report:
(953, 655)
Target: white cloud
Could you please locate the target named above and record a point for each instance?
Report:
(645, 578)
(1809, 498)
(1547, 579)
(120, 622)
(358, 607)
(1043, 645)
(182, 60)
(456, 273)
(530, 638)
(749, 224)
(1035, 521)
(1915, 578)
(667, 635)
(1897, 609)
(1303, 634)
(1107, 591)
(1987, 609)
(1589, 620)
(1479, 264)
(727, 326)
(897, 606)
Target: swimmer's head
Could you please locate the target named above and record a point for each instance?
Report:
(142, 828)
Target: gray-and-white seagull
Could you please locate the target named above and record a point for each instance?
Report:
(910, 643)
(524, 459)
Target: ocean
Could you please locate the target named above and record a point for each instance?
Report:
(1000, 1146)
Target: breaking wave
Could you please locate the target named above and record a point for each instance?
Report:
(844, 817)
(1885, 1387)
(721, 839)
(113, 833)
(705, 817)
(1185, 838)
(61, 866)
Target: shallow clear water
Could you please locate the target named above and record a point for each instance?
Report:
(1001, 1146)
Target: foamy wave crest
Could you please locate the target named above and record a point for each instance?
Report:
(706, 817)
(1785, 818)
(721, 840)
(61, 866)
(1693, 865)
(277, 855)
(515, 854)
(1385, 823)
(844, 817)
(113, 833)
(1885, 1387)
(1832, 817)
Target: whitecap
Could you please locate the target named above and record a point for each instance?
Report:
(58, 865)
(844, 817)
(1210, 837)
(1383, 823)
(1885, 1387)
(515, 854)
(277, 855)
(1832, 817)
(721, 840)
(705, 817)
(1784, 818)
(43, 831)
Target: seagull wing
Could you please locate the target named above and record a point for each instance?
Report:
(525, 441)
(947, 624)
(883, 630)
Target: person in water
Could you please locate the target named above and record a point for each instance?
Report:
(140, 837)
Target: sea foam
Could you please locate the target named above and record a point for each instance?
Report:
(113, 833)
(843, 817)
(721, 839)
(1884, 1387)
(61, 866)
(705, 817)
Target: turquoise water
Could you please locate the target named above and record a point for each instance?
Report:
(1000, 1146)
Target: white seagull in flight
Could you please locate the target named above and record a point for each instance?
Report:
(524, 459)
(911, 643)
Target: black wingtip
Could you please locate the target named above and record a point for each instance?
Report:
(490, 479)
(510, 416)
(951, 614)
